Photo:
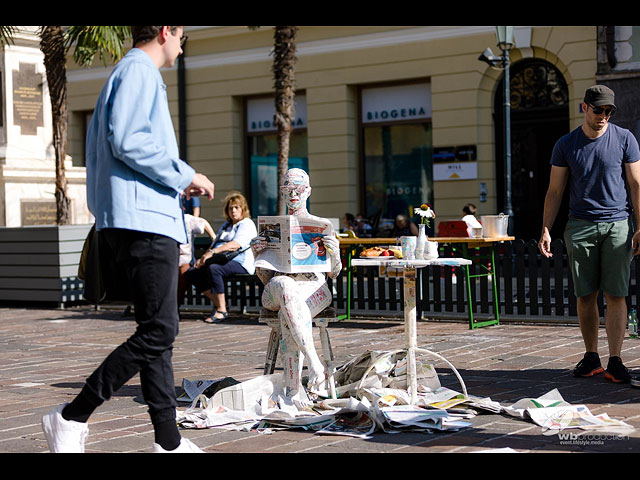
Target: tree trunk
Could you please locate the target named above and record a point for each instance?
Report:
(52, 45)
(284, 54)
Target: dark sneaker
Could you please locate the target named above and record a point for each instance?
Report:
(616, 371)
(589, 366)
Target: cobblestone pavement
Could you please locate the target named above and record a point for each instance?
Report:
(46, 354)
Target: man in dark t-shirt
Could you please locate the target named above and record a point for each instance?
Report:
(599, 161)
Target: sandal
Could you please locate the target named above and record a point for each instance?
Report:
(213, 319)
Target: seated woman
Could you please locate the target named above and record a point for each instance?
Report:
(299, 296)
(236, 233)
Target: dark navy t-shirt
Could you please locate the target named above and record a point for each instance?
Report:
(597, 174)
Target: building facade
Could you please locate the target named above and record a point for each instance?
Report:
(386, 118)
(27, 158)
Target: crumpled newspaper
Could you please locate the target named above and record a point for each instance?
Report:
(260, 404)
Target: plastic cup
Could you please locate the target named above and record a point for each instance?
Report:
(408, 245)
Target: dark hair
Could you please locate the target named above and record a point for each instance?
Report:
(142, 35)
(349, 216)
(469, 209)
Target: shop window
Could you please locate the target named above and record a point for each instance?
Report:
(263, 152)
(264, 168)
(80, 127)
(397, 152)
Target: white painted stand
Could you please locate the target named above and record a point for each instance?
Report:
(409, 268)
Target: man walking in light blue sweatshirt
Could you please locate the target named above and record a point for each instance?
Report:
(134, 181)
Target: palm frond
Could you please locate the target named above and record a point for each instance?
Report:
(6, 34)
(105, 41)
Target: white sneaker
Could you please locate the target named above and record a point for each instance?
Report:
(186, 446)
(64, 436)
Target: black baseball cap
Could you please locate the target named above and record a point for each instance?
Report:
(599, 95)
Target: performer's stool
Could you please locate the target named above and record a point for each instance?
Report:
(321, 320)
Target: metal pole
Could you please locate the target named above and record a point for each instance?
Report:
(507, 141)
(182, 107)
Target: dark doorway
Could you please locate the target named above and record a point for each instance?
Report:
(539, 117)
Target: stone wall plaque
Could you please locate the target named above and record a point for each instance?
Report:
(27, 99)
(38, 212)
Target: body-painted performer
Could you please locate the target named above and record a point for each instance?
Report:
(298, 297)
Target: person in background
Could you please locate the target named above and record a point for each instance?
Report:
(195, 226)
(349, 222)
(134, 181)
(403, 227)
(469, 217)
(191, 205)
(363, 227)
(600, 162)
(236, 233)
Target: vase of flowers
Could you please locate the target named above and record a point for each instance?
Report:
(425, 212)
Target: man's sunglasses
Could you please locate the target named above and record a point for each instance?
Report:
(600, 110)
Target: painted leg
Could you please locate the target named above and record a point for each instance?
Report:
(292, 362)
(282, 293)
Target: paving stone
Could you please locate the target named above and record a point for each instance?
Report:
(46, 355)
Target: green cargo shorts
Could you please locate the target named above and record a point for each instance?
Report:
(600, 255)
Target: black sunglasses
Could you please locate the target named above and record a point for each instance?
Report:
(183, 40)
(599, 110)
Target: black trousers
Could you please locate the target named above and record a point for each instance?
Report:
(151, 265)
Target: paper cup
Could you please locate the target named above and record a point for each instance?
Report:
(408, 245)
(431, 250)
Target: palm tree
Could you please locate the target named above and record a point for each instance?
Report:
(52, 45)
(55, 44)
(284, 59)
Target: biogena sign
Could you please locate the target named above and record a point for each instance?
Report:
(396, 103)
(378, 104)
(396, 113)
(260, 113)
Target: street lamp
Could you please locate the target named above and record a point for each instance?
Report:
(504, 36)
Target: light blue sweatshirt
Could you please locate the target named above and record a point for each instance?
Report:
(134, 173)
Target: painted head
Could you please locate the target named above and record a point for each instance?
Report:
(295, 189)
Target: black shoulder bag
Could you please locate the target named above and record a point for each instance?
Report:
(223, 258)
(103, 281)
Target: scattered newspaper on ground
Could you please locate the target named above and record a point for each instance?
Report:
(414, 417)
(377, 403)
(549, 400)
(353, 420)
(554, 414)
(193, 389)
(260, 405)
(202, 414)
(294, 244)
